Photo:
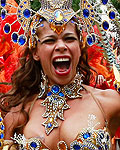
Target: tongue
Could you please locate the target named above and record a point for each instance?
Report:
(61, 68)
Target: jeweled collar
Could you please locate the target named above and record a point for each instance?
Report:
(55, 97)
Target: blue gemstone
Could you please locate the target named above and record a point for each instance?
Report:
(49, 93)
(25, 2)
(105, 25)
(99, 148)
(104, 2)
(91, 10)
(119, 89)
(33, 31)
(40, 20)
(21, 6)
(7, 28)
(112, 15)
(72, 21)
(88, 5)
(14, 37)
(3, 14)
(50, 20)
(61, 94)
(22, 40)
(19, 11)
(19, 16)
(49, 125)
(42, 25)
(3, 3)
(86, 135)
(86, 13)
(76, 147)
(1, 136)
(55, 89)
(26, 13)
(0, 119)
(65, 20)
(89, 40)
(33, 144)
(2, 127)
(84, 1)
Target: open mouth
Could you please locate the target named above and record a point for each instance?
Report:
(61, 64)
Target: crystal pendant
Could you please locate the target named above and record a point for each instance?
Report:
(22, 40)
(104, 2)
(58, 15)
(7, 28)
(105, 25)
(3, 3)
(14, 37)
(86, 13)
(112, 15)
(26, 13)
(3, 14)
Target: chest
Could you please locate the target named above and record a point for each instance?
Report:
(75, 119)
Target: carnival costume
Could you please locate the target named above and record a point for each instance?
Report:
(58, 14)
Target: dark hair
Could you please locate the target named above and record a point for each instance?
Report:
(27, 78)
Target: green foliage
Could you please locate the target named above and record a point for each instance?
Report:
(116, 4)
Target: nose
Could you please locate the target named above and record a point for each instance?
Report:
(60, 46)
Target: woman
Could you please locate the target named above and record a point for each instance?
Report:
(49, 107)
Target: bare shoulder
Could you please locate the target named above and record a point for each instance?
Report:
(109, 99)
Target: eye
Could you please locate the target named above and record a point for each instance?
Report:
(48, 41)
(70, 38)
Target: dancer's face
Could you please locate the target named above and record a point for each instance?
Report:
(58, 54)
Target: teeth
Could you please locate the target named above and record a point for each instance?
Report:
(61, 59)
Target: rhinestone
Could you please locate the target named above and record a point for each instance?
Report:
(22, 40)
(105, 25)
(33, 144)
(58, 15)
(55, 89)
(86, 135)
(89, 40)
(1, 136)
(119, 89)
(7, 28)
(86, 13)
(61, 94)
(112, 15)
(26, 13)
(49, 125)
(42, 25)
(0, 119)
(76, 147)
(49, 93)
(3, 3)
(104, 2)
(2, 127)
(3, 14)
(15, 37)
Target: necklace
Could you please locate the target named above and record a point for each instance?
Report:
(55, 101)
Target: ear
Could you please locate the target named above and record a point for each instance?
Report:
(36, 56)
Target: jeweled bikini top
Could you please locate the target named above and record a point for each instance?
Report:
(88, 139)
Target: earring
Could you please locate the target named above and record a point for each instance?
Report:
(43, 85)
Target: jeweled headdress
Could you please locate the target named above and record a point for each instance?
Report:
(58, 13)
